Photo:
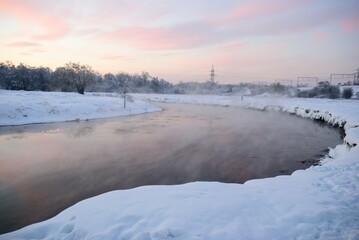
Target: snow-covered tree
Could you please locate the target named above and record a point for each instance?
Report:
(7, 75)
(24, 77)
(60, 79)
(42, 79)
(80, 75)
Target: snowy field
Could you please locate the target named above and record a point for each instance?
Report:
(321, 202)
(20, 107)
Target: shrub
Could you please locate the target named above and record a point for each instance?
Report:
(323, 90)
(277, 88)
(333, 92)
(347, 93)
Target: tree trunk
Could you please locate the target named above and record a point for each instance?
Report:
(81, 90)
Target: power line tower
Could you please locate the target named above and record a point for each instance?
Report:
(212, 74)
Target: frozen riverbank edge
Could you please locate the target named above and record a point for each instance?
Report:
(317, 203)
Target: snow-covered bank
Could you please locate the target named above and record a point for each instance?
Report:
(20, 107)
(317, 203)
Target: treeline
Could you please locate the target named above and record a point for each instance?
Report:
(74, 77)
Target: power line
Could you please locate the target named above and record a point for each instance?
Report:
(284, 81)
(341, 75)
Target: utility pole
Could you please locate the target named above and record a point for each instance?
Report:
(212, 74)
(124, 94)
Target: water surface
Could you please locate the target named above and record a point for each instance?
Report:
(46, 168)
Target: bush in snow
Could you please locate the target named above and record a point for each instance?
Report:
(347, 93)
(333, 92)
(323, 90)
(277, 88)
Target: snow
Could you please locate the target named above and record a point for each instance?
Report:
(20, 107)
(320, 202)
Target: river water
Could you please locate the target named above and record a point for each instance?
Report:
(45, 168)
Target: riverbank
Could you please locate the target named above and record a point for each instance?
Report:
(317, 203)
(21, 107)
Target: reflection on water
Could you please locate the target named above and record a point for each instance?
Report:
(46, 168)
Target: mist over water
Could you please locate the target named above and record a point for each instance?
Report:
(49, 167)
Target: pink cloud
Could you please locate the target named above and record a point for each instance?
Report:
(351, 25)
(51, 27)
(134, 13)
(29, 47)
(320, 37)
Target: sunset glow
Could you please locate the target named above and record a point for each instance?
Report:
(180, 40)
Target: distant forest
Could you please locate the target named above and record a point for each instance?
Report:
(74, 77)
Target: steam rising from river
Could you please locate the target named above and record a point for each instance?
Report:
(56, 165)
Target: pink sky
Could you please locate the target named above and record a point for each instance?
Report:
(257, 40)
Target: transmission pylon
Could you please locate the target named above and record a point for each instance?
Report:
(212, 74)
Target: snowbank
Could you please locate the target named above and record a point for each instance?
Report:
(317, 203)
(20, 107)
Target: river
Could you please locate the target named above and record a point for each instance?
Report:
(46, 168)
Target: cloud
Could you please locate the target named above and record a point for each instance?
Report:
(320, 37)
(292, 22)
(87, 32)
(351, 25)
(165, 38)
(27, 48)
(38, 50)
(232, 46)
(48, 27)
(115, 57)
(24, 44)
(259, 18)
(25, 54)
(257, 9)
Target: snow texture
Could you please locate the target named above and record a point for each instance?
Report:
(321, 202)
(20, 107)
